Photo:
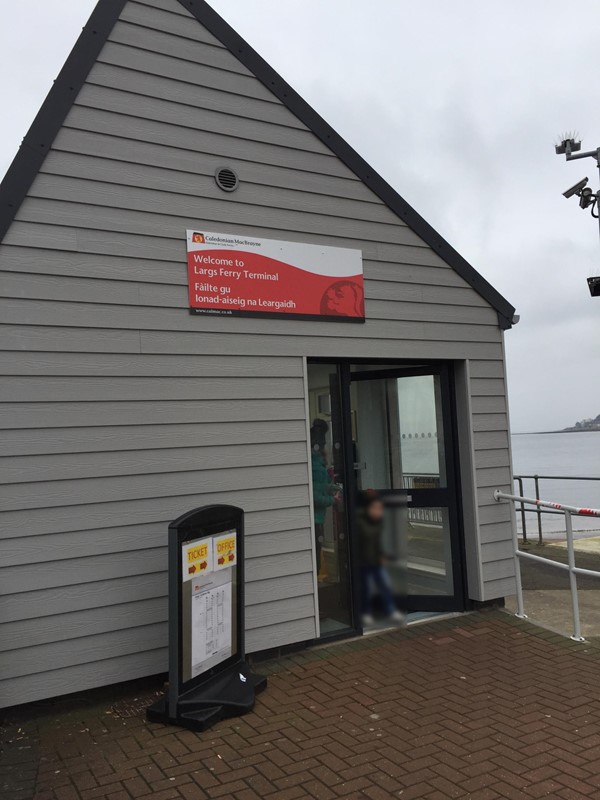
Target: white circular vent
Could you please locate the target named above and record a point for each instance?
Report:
(226, 179)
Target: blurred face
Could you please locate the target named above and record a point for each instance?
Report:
(375, 510)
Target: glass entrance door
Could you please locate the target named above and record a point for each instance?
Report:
(402, 449)
(387, 430)
(327, 401)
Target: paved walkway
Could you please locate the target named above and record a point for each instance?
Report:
(482, 706)
(547, 594)
(552, 609)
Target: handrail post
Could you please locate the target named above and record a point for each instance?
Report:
(570, 566)
(536, 480)
(518, 582)
(523, 514)
(573, 580)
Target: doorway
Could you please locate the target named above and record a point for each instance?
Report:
(386, 429)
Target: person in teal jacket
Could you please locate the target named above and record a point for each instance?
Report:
(323, 490)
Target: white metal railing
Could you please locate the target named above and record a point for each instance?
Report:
(539, 511)
(570, 567)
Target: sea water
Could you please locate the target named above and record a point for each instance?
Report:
(560, 454)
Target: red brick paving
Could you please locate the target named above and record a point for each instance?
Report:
(482, 706)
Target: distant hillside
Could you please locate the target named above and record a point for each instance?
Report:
(586, 425)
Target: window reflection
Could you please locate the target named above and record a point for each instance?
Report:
(328, 488)
(420, 430)
(418, 543)
(398, 433)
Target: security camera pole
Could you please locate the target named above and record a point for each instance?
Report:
(571, 149)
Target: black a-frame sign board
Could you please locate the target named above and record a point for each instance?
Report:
(208, 675)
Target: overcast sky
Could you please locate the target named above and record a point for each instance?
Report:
(458, 104)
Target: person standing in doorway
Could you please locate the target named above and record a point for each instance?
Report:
(372, 559)
(323, 490)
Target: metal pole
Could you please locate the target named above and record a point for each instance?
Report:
(571, 567)
(539, 510)
(518, 582)
(598, 192)
(523, 514)
(573, 580)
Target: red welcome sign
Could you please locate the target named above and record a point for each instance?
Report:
(234, 275)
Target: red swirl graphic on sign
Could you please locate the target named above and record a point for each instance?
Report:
(231, 282)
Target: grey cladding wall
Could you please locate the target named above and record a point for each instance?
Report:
(120, 411)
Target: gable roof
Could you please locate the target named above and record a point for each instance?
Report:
(50, 118)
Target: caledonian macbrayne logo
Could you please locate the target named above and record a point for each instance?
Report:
(198, 238)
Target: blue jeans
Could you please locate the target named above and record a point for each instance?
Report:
(379, 577)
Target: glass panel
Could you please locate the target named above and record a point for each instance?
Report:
(409, 554)
(429, 554)
(328, 484)
(398, 433)
(421, 430)
(416, 543)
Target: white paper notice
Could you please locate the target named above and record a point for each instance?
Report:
(211, 627)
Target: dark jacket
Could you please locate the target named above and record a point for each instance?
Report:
(321, 486)
(370, 537)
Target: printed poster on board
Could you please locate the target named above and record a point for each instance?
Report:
(196, 559)
(225, 553)
(235, 275)
(212, 632)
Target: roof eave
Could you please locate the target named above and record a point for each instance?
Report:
(60, 99)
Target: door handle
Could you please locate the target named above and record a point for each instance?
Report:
(399, 501)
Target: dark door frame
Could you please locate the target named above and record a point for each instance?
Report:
(420, 497)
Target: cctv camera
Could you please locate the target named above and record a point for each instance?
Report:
(576, 189)
(586, 198)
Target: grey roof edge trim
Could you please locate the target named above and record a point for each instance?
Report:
(43, 130)
(56, 106)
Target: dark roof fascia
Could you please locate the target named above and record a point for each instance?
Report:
(51, 116)
(73, 75)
